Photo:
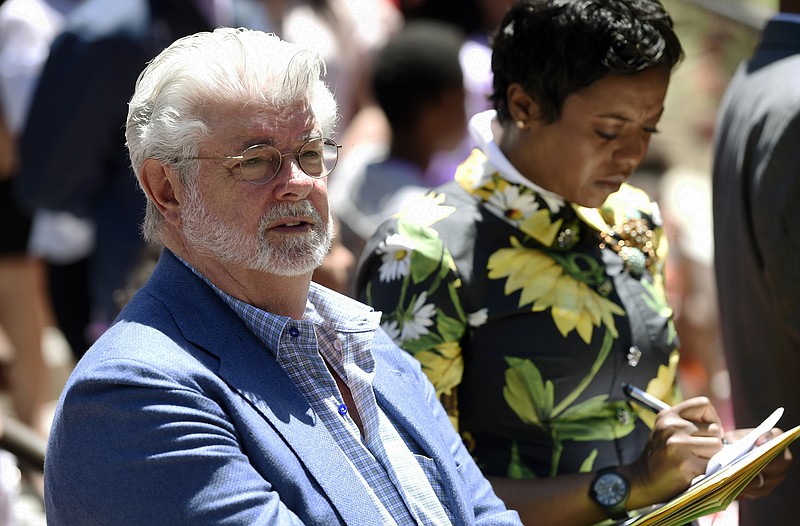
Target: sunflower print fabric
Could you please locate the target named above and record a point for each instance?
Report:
(527, 313)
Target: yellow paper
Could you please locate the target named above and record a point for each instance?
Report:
(716, 492)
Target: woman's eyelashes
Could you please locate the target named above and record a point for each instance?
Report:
(606, 135)
(613, 135)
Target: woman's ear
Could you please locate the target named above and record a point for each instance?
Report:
(159, 183)
(521, 106)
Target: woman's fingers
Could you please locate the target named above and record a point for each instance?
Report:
(700, 411)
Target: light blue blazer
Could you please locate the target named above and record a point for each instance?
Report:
(179, 415)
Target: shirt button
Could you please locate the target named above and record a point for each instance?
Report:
(337, 345)
(634, 355)
(294, 332)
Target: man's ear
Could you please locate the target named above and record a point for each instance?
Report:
(159, 183)
(521, 106)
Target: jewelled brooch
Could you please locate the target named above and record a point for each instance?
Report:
(633, 242)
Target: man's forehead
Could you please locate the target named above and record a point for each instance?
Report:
(262, 121)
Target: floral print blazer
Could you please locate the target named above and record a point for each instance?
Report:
(528, 313)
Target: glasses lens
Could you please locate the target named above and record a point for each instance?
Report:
(260, 163)
(318, 157)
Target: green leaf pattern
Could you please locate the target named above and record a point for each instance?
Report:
(531, 398)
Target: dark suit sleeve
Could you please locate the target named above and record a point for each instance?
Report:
(74, 136)
(776, 217)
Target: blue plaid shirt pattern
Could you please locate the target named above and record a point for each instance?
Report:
(404, 484)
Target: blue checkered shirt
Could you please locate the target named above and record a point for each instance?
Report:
(404, 484)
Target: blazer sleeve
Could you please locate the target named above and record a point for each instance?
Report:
(131, 445)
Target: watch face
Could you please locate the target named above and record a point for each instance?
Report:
(610, 489)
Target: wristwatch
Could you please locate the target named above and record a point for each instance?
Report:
(610, 491)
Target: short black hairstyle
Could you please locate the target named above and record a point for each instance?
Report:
(554, 48)
(415, 68)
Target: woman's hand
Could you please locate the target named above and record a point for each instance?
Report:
(683, 438)
(771, 475)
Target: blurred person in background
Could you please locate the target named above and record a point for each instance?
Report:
(21, 331)
(756, 190)
(74, 169)
(417, 82)
(478, 19)
(684, 197)
(346, 33)
(27, 28)
(532, 286)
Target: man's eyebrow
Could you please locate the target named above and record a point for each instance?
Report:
(313, 134)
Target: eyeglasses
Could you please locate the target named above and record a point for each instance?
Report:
(260, 163)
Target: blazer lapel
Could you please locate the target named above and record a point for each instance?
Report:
(257, 377)
(250, 369)
(392, 381)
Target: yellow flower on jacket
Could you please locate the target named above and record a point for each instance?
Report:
(475, 175)
(443, 365)
(545, 285)
(663, 387)
(541, 228)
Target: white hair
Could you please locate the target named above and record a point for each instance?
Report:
(165, 115)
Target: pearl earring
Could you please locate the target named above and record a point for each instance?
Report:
(521, 124)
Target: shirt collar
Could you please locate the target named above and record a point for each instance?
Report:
(323, 307)
(480, 127)
(340, 312)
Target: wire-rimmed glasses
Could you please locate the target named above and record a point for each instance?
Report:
(260, 163)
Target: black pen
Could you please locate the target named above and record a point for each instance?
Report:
(643, 399)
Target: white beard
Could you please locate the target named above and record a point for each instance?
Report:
(289, 256)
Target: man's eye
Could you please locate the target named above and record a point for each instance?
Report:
(311, 154)
(253, 161)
